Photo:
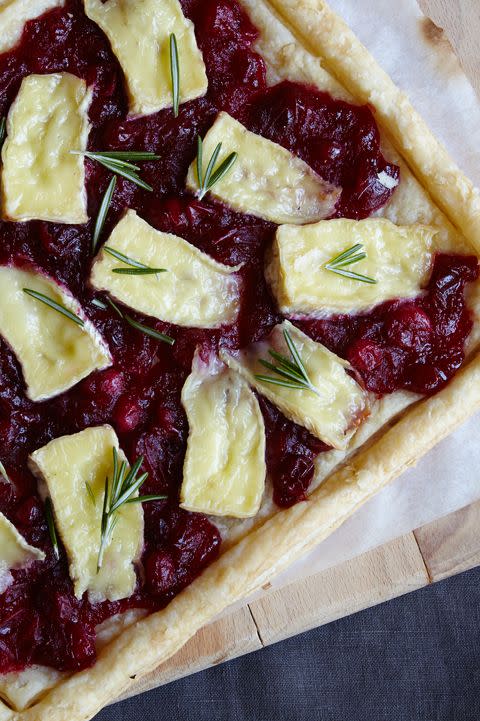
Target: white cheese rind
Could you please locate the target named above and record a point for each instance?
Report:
(139, 33)
(196, 291)
(65, 466)
(54, 352)
(15, 552)
(266, 180)
(399, 258)
(41, 179)
(224, 470)
(333, 412)
(15, 13)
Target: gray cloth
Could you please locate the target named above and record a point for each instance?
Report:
(416, 658)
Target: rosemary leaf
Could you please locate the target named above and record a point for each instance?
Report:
(3, 131)
(126, 173)
(4, 474)
(90, 492)
(223, 169)
(99, 304)
(149, 331)
(138, 271)
(51, 526)
(212, 176)
(129, 155)
(353, 276)
(103, 211)
(119, 163)
(136, 268)
(175, 73)
(54, 305)
(290, 372)
(348, 257)
(145, 499)
(139, 326)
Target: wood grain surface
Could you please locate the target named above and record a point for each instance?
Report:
(430, 553)
(460, 20)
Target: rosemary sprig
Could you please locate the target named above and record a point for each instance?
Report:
(3, 131)
(136, 268)
(99, 304)
(120, 163)
(139, 326)
(90, 492)
(125, 483)
(207, 181)
(175, 73)
(348, 257)
(290, 372)
(46, 300)
(51, 526)
(103, 212)
(4, 474)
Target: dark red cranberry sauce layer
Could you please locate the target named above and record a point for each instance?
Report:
(416, 344)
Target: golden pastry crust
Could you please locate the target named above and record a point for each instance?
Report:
(305, 41)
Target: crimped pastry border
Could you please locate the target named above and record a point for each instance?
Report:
(286, 536)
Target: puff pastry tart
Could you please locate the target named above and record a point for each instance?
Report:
(239, 292)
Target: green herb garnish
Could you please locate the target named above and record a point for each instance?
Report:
(136, 268)
(99, 304)
(54, 305)
(103, 211)
(3, 131)
(207, 181)
(90, 492)
(175, 73)
(348, 257)
(290, 372)
(139, 326)
(51, 526)
(3, 473)
(120, 490)
(120, 163)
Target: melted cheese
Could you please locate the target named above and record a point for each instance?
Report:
(224, 470)
(139, 32)
(333, 411)
(15, 13)
(65, 466)
(266, 179)
(54, 352)
(398, 257)
(15, 552)
(41, 179)
(196, 291)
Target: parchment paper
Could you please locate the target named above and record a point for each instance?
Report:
(448, 478)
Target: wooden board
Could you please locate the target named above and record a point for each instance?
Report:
(431, 553)
(428, 554)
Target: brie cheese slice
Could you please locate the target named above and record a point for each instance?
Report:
(65, 466)
(224, 469)
(266, 180)
(139, 32)
(15, 13)
(196, 291)
(336, 405)
(399, 258)
(15, 552)
(54, 352)
(41, 179)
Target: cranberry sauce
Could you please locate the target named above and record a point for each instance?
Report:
(40, 619)
(414, 345)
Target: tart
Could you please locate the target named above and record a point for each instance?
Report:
(239, 293)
